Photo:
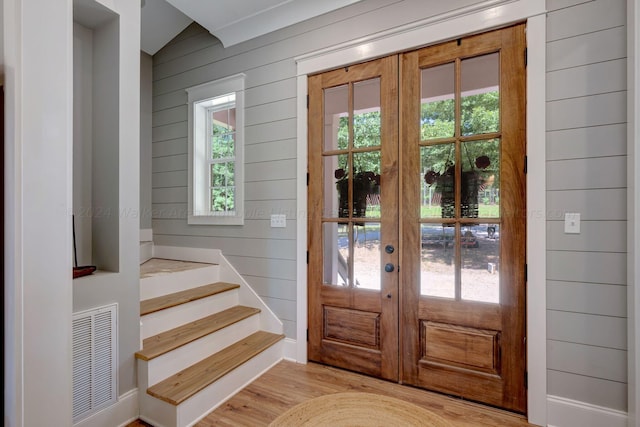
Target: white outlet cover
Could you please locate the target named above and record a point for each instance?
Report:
(572, 223)
(278, 221)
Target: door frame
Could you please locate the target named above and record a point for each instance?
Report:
(481, 17)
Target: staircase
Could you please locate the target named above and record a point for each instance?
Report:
(203, 339)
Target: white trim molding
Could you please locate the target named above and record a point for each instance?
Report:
(479, 17)
(290, 349)
(566, 412)
(121, 413)
(633, 209)
(536, 220)
(200, 99)
(146, 235)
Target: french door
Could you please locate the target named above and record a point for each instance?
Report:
(417, 218)
(353, 209)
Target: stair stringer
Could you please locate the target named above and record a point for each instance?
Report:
(247, 296)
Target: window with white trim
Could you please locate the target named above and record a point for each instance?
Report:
(216, 151)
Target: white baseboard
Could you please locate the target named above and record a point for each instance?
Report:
(291, 350)
(121, 413)
(146, 235)
(563, 412)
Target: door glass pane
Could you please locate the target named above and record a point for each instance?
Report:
(335, 173)
(480, 84)
(437, 105)
(480, 273)
(480, 189)
(335, 248)
(366, 113)
(366, 255)
(437, 192)
(437, 266)
(366, 185)
(336, 118)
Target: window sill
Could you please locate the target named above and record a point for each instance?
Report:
(215, 220)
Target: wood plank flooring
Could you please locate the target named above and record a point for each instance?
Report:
(289, 383)
(159, 267)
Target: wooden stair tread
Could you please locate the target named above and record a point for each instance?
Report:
(171, 300)
(181, 386)
(164, 342)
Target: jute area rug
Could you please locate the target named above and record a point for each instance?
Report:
(358, 409)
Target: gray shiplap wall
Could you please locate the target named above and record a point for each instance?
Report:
(586, 149)
(586, 173)
(265, 256)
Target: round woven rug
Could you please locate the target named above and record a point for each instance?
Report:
(358, 409)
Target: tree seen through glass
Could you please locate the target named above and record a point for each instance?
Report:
(480, 114)
(222, 162)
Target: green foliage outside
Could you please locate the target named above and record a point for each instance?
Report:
(366, 133)
(222, 168)
(479, 115)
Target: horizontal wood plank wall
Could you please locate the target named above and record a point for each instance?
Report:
(266, 257)
(586, 173)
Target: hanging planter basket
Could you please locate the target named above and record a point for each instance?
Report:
(364, 183)
(445, 184)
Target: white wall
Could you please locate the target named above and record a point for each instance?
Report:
(121, 284)
(82, 137)
(146, 70)
(2, 43)
(38, 290)
(40, 296)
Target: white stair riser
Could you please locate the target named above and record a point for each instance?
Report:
(181, 358)
(146, 251)
(154, 411)
(163, 414)
(194, 409)
(163, 284)
(164, 320)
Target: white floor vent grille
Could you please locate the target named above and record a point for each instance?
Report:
(94, 360)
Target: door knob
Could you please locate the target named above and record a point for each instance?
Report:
(389, 268)
(389, 249)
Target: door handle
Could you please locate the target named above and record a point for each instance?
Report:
(389, 268)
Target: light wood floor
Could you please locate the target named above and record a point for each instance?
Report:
(288, 383)
(159, 267)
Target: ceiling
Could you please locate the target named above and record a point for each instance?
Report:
(231, 21)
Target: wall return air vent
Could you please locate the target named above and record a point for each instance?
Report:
(94, 360)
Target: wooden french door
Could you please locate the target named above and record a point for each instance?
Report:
(422, 278)
(353, 217)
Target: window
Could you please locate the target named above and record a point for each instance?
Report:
(216, 149)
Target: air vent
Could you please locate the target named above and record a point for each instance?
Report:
(94, 360)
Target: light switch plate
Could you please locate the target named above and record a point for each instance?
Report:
(572, 223)
(278, 221)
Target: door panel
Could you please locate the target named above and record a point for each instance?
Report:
(463, 242)
(353, 133)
